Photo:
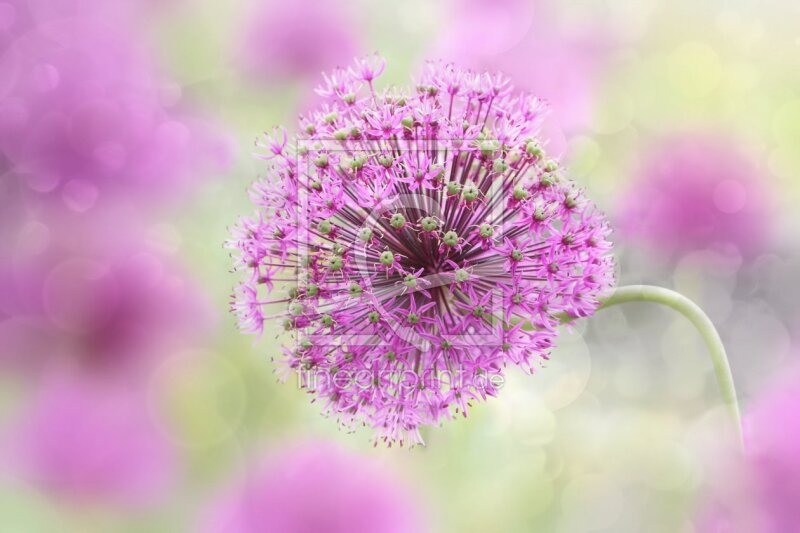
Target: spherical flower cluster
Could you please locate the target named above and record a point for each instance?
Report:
(420, 233)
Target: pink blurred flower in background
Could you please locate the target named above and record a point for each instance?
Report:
(314, 486)
(760, 492)
(86, 116)
(773, 440)
(92, 136)
(91, 442)
(697, 192)
(113, 311)
(523, 39)
(289, 40)
(89, 126)
(18, 16)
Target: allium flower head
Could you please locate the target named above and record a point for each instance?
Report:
(419, 230)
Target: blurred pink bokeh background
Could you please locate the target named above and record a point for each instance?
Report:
(129, 401)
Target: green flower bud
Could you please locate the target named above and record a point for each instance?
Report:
(520, 193)
(397, 221)
(450, 238)
(534, 150)
(499, 166)
(321, 161)
(365, 234)
(357, 163)
(547, 180)
(429, 224)
(387, 258)
(325, 227)
(488, 148)
(486, 231)
(470, 192)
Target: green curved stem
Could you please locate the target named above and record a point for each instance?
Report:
(701, 321)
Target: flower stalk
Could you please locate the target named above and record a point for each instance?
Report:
(704, 325)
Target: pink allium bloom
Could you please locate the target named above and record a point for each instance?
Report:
(698, 192)
(513, 35)
(297, 39)
(85, 116)
(314, 487)
(767, 480)
(86, 440)
(408, 221)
